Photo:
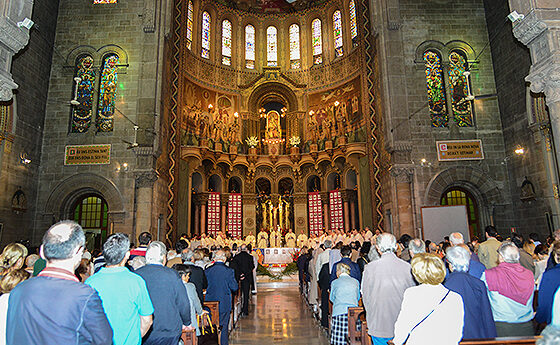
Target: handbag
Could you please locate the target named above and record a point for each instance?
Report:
(424, 319)
(209, 333)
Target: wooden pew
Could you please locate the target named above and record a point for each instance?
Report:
(502, 341)
(214, 311)
(189, 337)
(354, 335)
(366, 339)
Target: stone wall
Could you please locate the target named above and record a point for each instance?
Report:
(31, 70)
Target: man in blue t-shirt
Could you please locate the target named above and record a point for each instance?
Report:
(123, 294)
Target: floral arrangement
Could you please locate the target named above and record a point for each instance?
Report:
(295, 141)
(252, 141)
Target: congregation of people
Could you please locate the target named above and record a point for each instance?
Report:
(411, 290)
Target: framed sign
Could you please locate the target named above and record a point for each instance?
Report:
(457, 150)
(87, 154)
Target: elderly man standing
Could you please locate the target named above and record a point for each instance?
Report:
(168, 295)
(416, 246)
(124, 294)
(510, 290)
(197, 276)
(478, 322)
(243, 265)
(475, 267)
(221, 283)
(55, 308)
(488, 250)
(383, 285)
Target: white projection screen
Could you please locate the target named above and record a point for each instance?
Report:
(440, 221)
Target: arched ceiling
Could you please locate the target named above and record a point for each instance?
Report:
(271, 6)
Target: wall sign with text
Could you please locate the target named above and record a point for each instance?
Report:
(87, 154)
(456, 150)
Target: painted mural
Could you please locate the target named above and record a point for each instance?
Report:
(335, 114)
(208, 116)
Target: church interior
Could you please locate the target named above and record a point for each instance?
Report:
(200, 116)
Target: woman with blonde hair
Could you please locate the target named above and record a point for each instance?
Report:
(429, 310)
(7, 284)
(12, 258)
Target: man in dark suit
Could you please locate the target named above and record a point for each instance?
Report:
(221, 283)
(355, 272)
(197, 277)
(243, 266)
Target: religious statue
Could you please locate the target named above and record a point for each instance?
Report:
(273, 129)
(290, 239)
(234, 131)
(262, 239)
(312, 128)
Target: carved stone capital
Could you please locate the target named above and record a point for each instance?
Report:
(7, 86)
(402, 174)
(146, 178)
(529, 28)
(545, 77)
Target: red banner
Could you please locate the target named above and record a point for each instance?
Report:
(235, 215)
(315, 213)
(337, 220)
(213, 213)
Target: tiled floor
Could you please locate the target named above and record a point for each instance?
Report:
(278, 315)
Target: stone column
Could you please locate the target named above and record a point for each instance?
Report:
(223, 216)
(326, 218)
(402, 181)
(539, 30)
(196, 229)
(203, 208)
(353, 213)
(346, 216)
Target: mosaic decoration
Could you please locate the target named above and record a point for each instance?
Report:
(6, 118)
(315, 213)
(226, 42)
(337, 220)
(205, 53)
(213, 214)
(436, 89)
(272, 46)
(98, 2)
(250, 46)
(459, 89)
(337, 27)
(189, 25)
(353, 22)
(294, 47)
(317, 41)
(235, 218)
(82, 114)
(107, 94)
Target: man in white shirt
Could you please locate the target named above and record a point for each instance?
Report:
(323, 258)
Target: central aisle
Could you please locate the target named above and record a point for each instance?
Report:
(278, 315)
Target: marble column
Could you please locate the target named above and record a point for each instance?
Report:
(346, 216)
(223, 216)
(197, 219)
(353, 213)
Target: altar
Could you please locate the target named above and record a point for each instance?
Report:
(277, 256)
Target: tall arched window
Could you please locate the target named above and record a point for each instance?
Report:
(459, 89)
(206, 20)
(272, 46)
(353, 23)
(337, 31)
(83, 113)
(294, 46)
(226, 42)
(189, 25)
(317, 41)
(436, 89)
(250, 46)
(91, 213)
(107, 93)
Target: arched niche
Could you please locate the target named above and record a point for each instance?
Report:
(351, 180)
(272, 91)
(286, 186)
(215, 184)
(333, 181)
(197, 186)
(263, 186)
(313, 183)
(235, 185)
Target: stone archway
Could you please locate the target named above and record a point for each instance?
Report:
(272, 91)
(65, 195)
(478, 183)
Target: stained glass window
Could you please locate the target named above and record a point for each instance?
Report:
(95, 2)
(82, 112)
(189, 24)
(272, 46)
(317, 41)
(250, 46)
(436, 89)
(226, 42)
(205, 53)
(337, 27)
(107, 93)
(459, 90)
(294, 46)
(353, 22)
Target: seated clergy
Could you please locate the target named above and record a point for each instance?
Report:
(510, 290)
(479, 322)
(429, 310)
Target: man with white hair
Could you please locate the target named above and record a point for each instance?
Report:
(168, 295)
(323, 258)
(221, 284)
(383, 284)
(478, 319)
(510, 290)
(416, 246)
(476, 268)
